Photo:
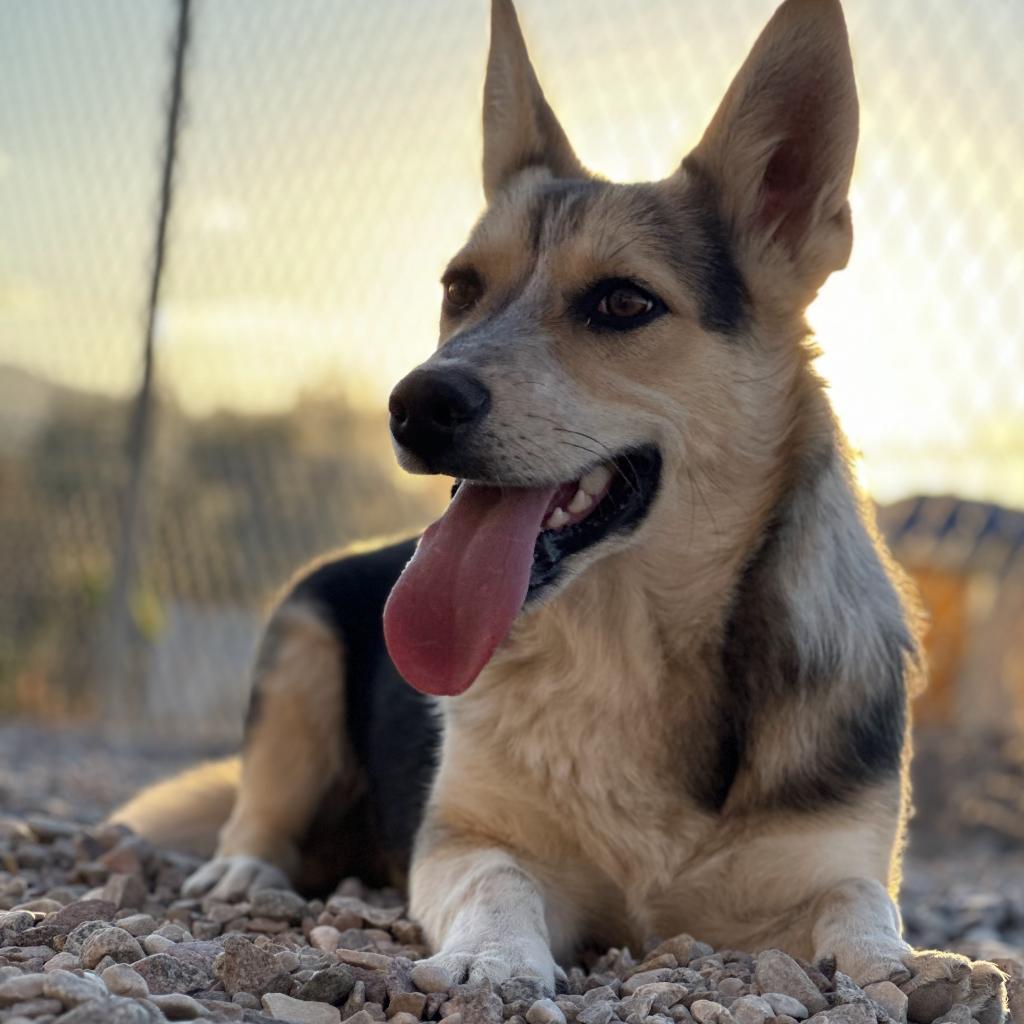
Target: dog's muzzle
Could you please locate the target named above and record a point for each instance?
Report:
(434, 411)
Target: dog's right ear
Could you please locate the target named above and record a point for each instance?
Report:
(520, 129)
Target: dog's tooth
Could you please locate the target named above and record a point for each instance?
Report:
(596, 480)
(580, 503)
(557, 519)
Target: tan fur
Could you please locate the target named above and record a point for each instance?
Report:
(299, 713)
(185, 812)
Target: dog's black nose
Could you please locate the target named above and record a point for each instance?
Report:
(431, 409)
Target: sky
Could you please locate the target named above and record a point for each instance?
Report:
(329, 168)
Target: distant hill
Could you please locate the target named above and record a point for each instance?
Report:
(26, 404)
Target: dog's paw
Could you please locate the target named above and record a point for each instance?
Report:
(938, 980)
(232, 878)
(495, 962)
(934, 982)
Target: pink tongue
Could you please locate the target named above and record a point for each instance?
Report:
(456, 600)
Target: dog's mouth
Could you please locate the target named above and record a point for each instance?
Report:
(495, 549)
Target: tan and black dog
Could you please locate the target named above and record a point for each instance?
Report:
(661, 661)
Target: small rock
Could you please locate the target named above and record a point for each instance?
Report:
(278, 905)
(784, 1004)
(332, 985)
(478, 1004)
(663, 995)
(428, 978)
(325, 937)
(41, 1007)
(124, 891)
(683, 947)
(359, 1017)
(404, 1002)
(851, 1013)
(751, 1009)
(20, 988)
(165, 974)
(778, 972)
(546, 1011)
(890, 998)
(137, 924)
(178, 1006)
(157, 943)
(63, 962)
(358, 958)
(243, 967)
(72, 989)
(645, 978)
(112, 1011)
(123, 980)
(596, 1013)
(707, 1011)
(405, 1018)
(246, 1000)
(174, 931)
(111, 941)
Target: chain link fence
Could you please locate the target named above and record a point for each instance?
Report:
(326, 167)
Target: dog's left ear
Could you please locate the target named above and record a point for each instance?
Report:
(779, 151)
(520, 128)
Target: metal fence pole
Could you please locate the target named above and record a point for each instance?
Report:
(118, 661)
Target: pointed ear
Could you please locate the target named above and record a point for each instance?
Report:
(779, 151)
(520, 129)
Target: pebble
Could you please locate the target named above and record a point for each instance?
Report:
(110, 941)
(637, 981)
(20, 988)
(178, 1006)
(123, 980)
(72, 989)
(428, 978)
(546, 1011)
(278, 905)
(893, 1000)
(165, 974)
(778, 972)
(403, 1002)
(707, 1011)
(244, 967)
(751, 1009)
(786, 1005)
(332, 985)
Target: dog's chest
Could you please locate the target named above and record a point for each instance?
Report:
(608, 756)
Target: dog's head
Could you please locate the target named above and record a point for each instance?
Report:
(604, 346)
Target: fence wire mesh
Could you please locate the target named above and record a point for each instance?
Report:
(327, 166)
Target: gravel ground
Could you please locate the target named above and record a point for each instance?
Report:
(93, 929)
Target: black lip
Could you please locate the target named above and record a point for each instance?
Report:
(637, 475)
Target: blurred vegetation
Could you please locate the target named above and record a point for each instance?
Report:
(234, 504)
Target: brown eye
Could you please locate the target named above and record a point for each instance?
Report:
(625, 304)
(461, 291)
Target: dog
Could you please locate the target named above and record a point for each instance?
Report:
(660, 660)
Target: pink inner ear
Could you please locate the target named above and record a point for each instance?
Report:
(789, 186)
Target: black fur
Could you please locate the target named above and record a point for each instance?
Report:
(390, 725)
(762, 665)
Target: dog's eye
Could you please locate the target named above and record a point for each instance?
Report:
(625, 303)
(461, 290)
(618, 304)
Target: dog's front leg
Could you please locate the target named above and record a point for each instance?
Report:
(857, 923)
(482, 911)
